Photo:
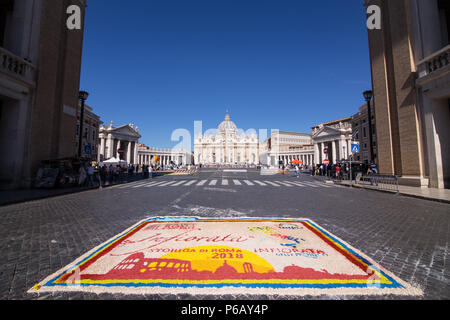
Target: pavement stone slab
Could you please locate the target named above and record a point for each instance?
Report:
(407, 236)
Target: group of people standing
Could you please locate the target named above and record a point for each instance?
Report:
(341, 170)
(110, 174)
(114, 173)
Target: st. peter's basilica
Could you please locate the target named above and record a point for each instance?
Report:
(227, 145)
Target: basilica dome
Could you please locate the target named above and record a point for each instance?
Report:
(227, 125)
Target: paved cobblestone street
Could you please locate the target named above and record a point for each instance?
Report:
(407, 236)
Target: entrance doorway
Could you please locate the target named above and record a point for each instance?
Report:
(9, 116)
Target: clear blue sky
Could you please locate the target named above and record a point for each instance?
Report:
(279, 64)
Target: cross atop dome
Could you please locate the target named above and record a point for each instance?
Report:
(227, 116)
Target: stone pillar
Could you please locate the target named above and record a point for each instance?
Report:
(333, 146)
(342, 150)
(135, 153)
(110, 143)
(316, 153)
(119, 145)
(101, 152)
(322, 153)
(129, 152)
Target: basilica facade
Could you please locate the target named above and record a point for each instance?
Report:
(226, 146)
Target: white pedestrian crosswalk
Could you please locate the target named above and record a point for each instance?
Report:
(190, 182)
(227, 182)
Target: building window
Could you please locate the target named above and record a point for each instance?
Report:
(6, 9)
(444, 17)
(364, 132)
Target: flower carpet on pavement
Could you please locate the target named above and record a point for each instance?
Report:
(199, 256)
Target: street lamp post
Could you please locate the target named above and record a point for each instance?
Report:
(368, 96)
(82, 95)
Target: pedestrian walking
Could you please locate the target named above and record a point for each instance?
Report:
(150, 172)
(82, 176)
(297, 171)
(90, 176)
(338, 171)
(115, 172)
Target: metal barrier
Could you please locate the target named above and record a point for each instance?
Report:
(378, 181)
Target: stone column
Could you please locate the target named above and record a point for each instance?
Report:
(135, 149)
(110, 143)
(129, 152)
(119, 145)
(333, 146)
(101, 152)
(322, 154)
(316, 153)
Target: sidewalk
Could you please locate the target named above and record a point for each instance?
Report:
(442, 195)
(8, 197)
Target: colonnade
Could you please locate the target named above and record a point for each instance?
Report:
(306, 159)
(333, 150)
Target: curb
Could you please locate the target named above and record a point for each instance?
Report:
(400, 193)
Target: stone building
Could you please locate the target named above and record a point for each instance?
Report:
(90, 139)
(226, 145)
(410, 64)
(286, 146)
(119, 142)
(166, 157)
(332, 140)
(40, 63)
(360, 132)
